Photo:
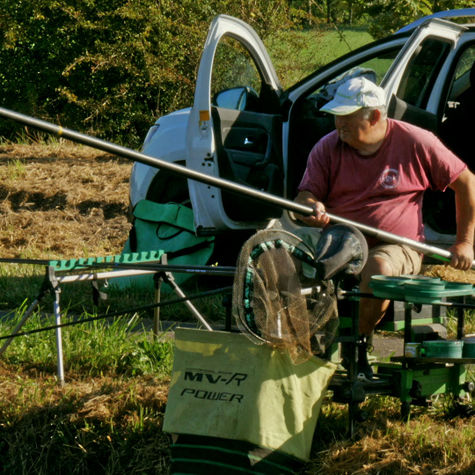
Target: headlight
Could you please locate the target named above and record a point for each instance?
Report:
(150, 134)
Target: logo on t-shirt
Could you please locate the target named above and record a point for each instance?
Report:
(389, 179)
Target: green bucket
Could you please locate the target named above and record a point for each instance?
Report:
(442, 349)
(469, 347)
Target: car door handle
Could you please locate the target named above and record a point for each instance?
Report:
(248, 141)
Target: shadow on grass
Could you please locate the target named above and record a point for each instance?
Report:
(113, 429)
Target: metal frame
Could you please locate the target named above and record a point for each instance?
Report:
(54, 279)
(412, 380)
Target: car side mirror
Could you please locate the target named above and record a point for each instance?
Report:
(238, 98)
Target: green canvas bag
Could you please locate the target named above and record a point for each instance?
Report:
(169, 228)
(225, 386)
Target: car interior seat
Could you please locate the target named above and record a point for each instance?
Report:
(401, 110)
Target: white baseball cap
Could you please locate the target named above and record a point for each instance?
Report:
(353, 95)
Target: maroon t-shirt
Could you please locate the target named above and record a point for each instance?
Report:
(383, 190)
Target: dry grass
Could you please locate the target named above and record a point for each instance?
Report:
(100, 397)
(430, 443)
(62, 201)
(66, 201)
(450, 274)
(102, 425)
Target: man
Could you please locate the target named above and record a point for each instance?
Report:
(374, 170)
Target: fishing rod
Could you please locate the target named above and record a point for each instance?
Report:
(133, 310)
(426, 249)
(223, 271)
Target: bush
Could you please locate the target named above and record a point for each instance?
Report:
(387, 16)
(110, 67)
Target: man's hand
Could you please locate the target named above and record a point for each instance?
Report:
(462, 255)
(462, 250)
(319, 218)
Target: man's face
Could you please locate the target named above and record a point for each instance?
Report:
(354, 129)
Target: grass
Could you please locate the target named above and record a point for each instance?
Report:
(301, 53)
(16, 169)
(384, 444)
(107, 425)
(119, 346)
(106, 418)
(62, 201)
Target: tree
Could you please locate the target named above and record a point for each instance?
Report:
(110, 66)
(388, 16)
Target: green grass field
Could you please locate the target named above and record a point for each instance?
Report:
(300, 53)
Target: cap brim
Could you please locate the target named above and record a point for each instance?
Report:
(336, 108)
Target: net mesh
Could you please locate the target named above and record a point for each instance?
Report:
(274, 303)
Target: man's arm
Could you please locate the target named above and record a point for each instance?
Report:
(319, 219)
(462, 250)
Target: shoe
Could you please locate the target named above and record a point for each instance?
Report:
(347, 355)
(364, 372)
(363, 368)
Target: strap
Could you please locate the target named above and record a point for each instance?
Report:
(175, 214)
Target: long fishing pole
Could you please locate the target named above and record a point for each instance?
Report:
(432, 251)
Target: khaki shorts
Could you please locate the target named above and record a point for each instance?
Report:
(402, 259)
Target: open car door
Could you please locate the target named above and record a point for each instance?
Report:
(234, 131)
(419, 80)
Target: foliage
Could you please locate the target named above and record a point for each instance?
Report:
(393, 13)
(387, 16)
(110, 67)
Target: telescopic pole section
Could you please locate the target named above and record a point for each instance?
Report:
(59, 337)
(432, 251)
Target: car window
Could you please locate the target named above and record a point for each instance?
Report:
(233, 68)
(380, 64)
(422, 70)
(457, 119)
(374, 68)
(461, 78)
